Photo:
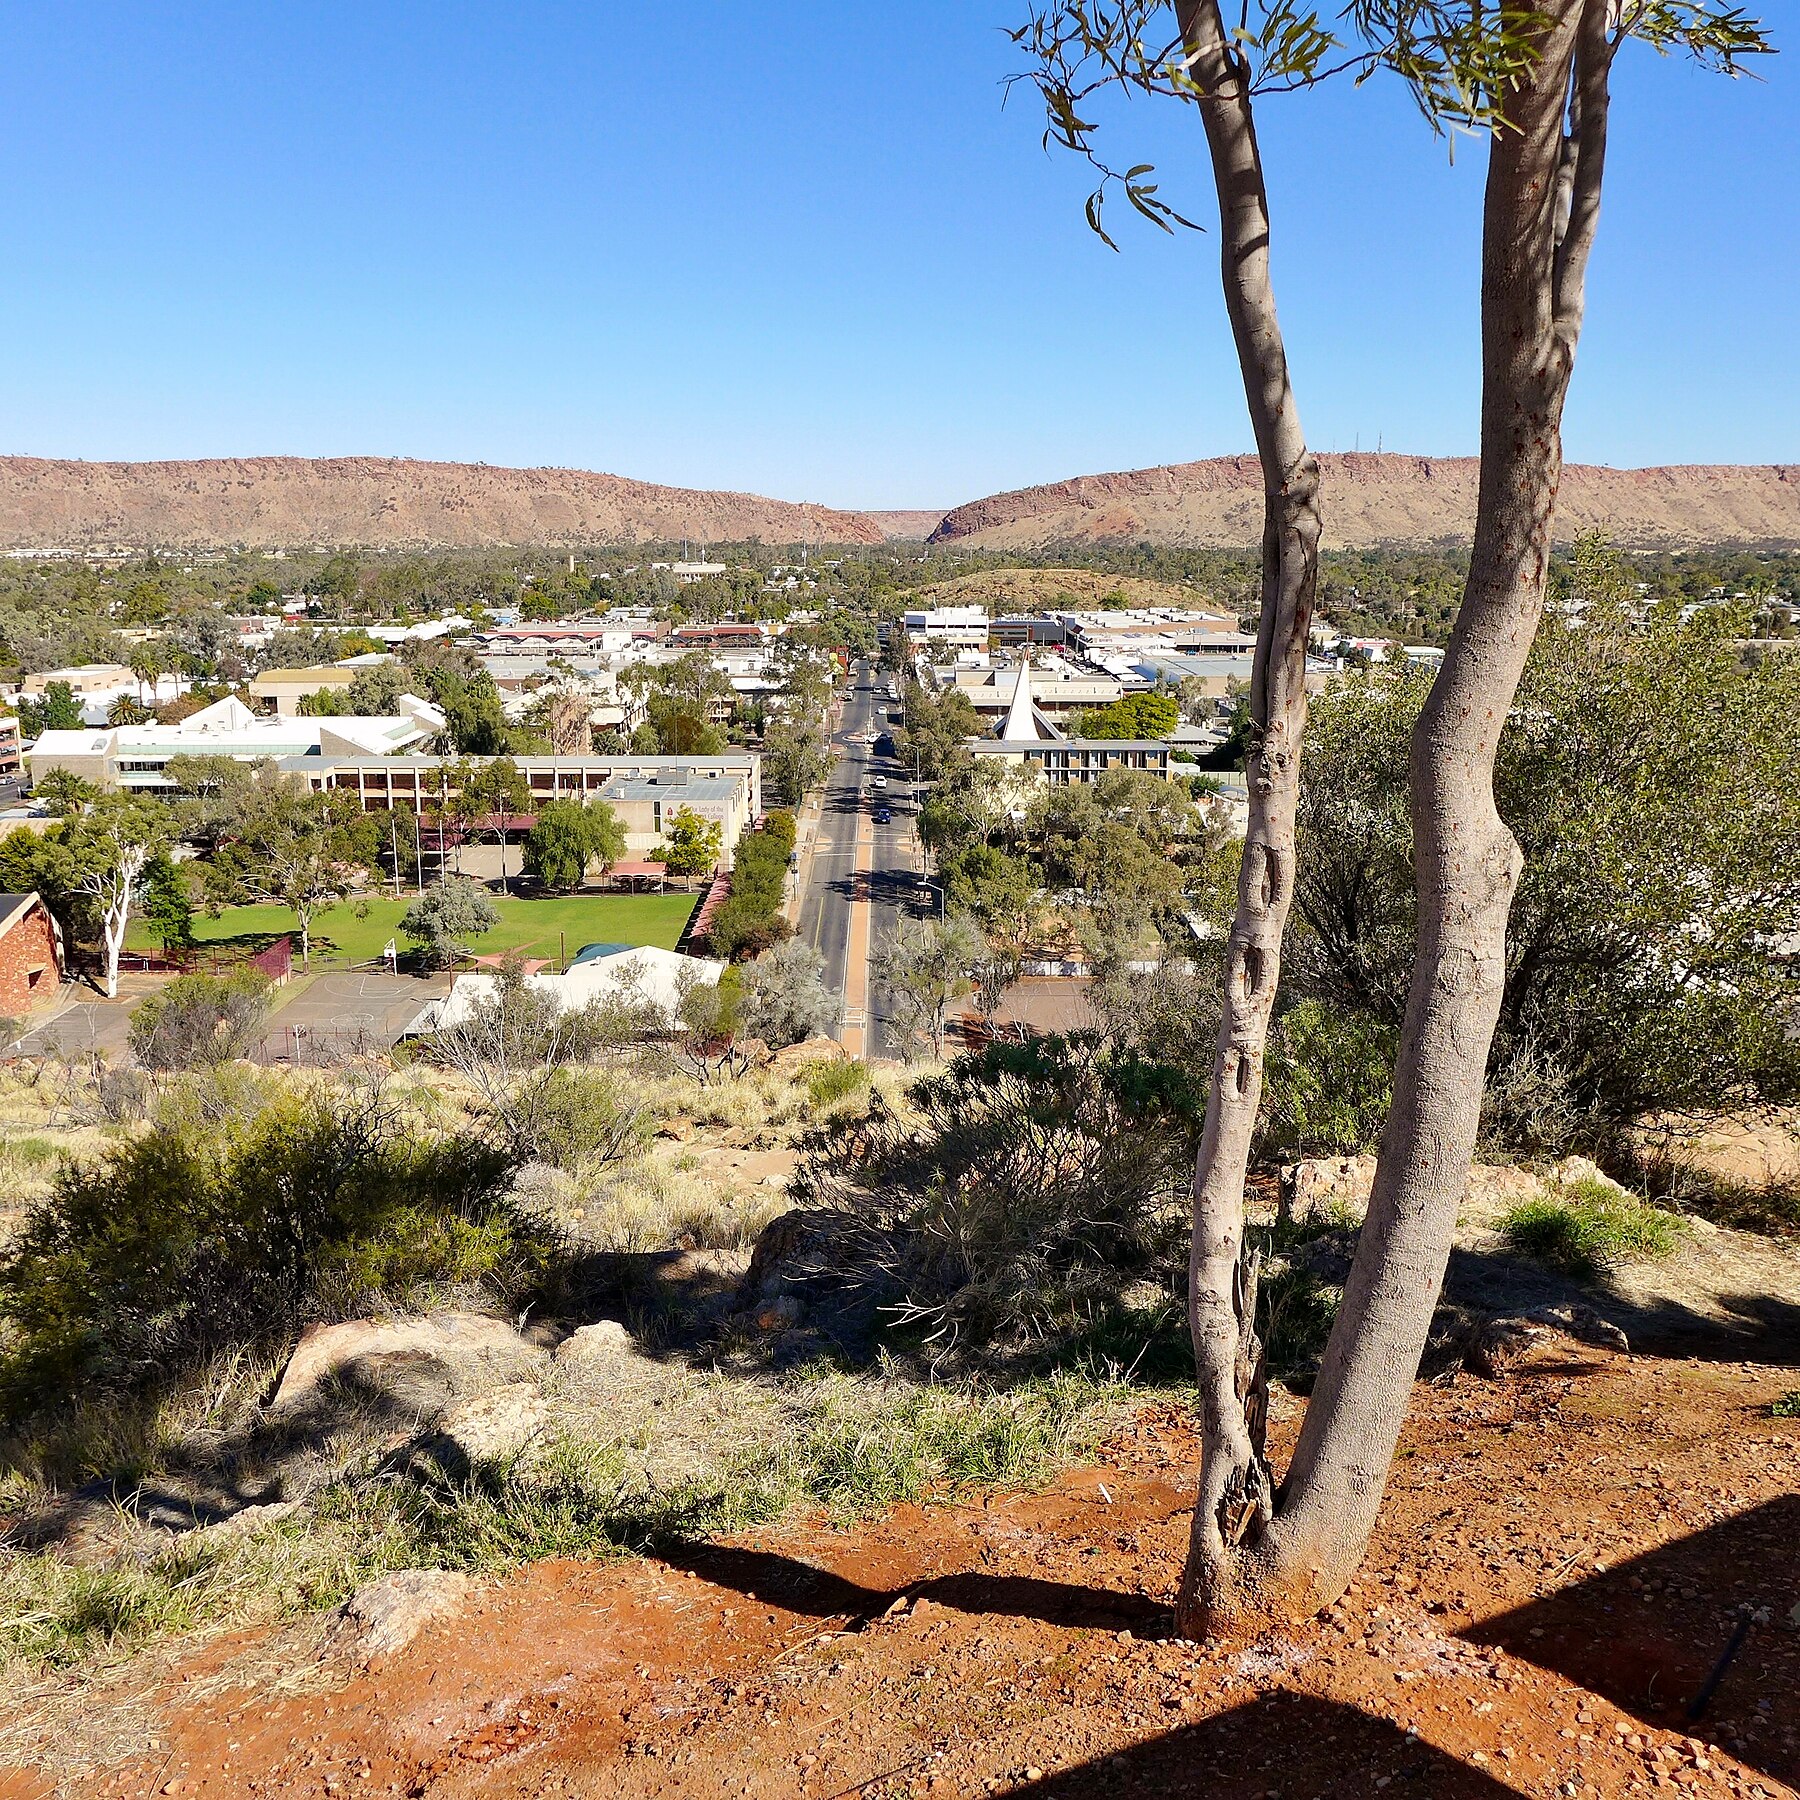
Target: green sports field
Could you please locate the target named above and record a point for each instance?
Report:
(359, 933)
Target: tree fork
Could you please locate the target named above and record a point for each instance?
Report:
(1466, 861)
(1235, 1499)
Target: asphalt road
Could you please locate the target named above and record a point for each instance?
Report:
(882, 888)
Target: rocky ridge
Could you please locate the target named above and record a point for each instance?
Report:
(388, 503)
(1382, 500)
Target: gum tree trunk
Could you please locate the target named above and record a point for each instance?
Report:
(1292, 1556)
(1235, 1490)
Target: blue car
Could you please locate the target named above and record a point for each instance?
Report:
(884, 815)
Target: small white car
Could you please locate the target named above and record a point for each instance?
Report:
(880, 781)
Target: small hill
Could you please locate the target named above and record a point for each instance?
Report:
(1033, 590)
(368, 502)
(1373, 500)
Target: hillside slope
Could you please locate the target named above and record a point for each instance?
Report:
(1387, 499)
(381, 503)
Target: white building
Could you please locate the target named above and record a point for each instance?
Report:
(644, 978)
(962, 627)
(135, 756)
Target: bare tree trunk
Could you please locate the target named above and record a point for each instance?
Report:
(1542, 201)
(1236, 1495)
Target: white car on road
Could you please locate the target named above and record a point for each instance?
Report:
(880, 781)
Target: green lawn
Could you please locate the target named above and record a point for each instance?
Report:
(529, 926)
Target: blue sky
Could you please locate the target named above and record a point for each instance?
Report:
(797, 248)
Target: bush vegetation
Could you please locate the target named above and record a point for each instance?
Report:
(199, 1021)
(829, 1082)
(238, 1214)
(1036, 1184)
(750, 920)
(1587, 1227)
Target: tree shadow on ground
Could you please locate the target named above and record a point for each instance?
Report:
(1748, 1326)
(211, 1476)
(1299, 1746)
(1649, 1633)
(803, 1587)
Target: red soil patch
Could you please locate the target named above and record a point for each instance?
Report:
(1560, 1564)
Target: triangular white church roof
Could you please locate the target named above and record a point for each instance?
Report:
(1023, 723)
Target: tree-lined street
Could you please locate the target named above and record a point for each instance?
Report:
(861, 876)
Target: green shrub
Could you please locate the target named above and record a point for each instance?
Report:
(1328, 1083)
(203, 1233)
(829, 1082)
(199, 1020)
(1295, 1313)
(575, 1116)
(1787, 1407)
(750, 919)
(28, 1152)
(1587, 1227)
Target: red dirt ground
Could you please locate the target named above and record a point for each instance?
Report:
(1561, 1561)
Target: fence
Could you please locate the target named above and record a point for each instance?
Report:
(276, 962)
(317, 1046)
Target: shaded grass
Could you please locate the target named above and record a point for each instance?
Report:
(1587, 1227)
(850, 1445)
(358, 932)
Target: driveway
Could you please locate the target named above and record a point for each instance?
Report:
(84, 1021)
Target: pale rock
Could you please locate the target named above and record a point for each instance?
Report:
(492, 1427)
(385, 1615)
(600, 1342)
(419, 1362)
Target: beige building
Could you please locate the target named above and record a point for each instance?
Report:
(284, 689)
(136, 756)
(644, 791)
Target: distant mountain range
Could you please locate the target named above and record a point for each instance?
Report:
(1391, 499)
(380, 503)
(387, 503)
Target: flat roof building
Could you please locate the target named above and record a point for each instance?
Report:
(136, 756)
(645, 791)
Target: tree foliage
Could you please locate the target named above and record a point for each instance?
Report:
(447, 917)
(567, 838)
(1644, 773)
(691, 844)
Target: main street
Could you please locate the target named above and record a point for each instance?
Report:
(861, 876)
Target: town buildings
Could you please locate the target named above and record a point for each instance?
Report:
(644, 791)
(1027, 738)
(136, 756)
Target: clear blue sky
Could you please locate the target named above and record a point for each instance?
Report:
(793, 247)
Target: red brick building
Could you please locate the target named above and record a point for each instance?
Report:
(31, 962)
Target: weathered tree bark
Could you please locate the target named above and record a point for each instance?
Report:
(1543, 188)
(1236, 1493)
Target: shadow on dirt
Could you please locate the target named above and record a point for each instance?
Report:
(800, 1587)
(1746, 1327)
(1296, 1745)
(1649, 1634)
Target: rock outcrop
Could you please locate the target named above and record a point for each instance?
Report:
(420, 1364)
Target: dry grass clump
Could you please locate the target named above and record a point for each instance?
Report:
(658, 1205)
